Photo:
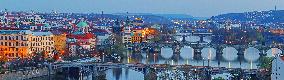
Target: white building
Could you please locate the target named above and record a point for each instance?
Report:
(277, 68)
(126, 38)
(102, 39)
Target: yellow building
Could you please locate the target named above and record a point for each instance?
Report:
(136, 35)
(139, 35)
(21, 43)
(60, 42)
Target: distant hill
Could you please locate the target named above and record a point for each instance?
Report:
(167, 16)
(256, 16)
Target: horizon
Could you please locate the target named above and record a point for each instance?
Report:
(209, 8)
(144, 13)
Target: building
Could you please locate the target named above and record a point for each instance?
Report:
(117, 29)
(41, 41)
(126, 38)
(83, 27)
(136, 35)
(81, 41)
(21, 43)
(60, 41)
(277, 68)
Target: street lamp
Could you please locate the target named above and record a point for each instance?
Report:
(203, 61)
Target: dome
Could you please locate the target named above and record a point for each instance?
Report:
(46, 25)
(82, 24)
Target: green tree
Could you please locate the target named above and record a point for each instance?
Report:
(151, 75)
(219, 78)
(260, 37)
(266, 62)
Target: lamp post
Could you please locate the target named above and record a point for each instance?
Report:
(203, 62)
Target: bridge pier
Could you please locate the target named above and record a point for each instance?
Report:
(219, 52)
(197, 51)
(263, 52)
(201, 40)
(176, 48)
(183, 38)
(241, 52)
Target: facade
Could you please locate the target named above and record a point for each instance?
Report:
(126, 38)
(60, 42)
(277, 68)
(136, 35)
(81, 41)
(21, 43)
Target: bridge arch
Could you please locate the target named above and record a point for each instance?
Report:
(230, 53)
(273, 51)
(251, 54)
(186, 52)
(167, 52)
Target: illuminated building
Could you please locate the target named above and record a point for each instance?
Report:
(60, 42)
(81, 41)
(139, 34)
(21, 43)
(136, 35)
(126, 38)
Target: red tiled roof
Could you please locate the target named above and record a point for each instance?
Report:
(82, 36)
(39, 24)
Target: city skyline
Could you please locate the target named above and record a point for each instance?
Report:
(193, 8)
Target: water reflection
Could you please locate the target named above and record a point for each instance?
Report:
(229, 59)
(123, 74)
(186, 52)
(208, 53)
(251, 54)
(230, 53)
(186, 57)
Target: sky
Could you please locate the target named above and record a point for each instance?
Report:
(197, 8)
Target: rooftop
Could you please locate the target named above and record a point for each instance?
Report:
(25, 32)
(82, 24)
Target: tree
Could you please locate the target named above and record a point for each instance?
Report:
(39, 56)
(151, 75)
(266, 62)
(219, 78)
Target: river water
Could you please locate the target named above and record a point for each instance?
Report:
(251, 56)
